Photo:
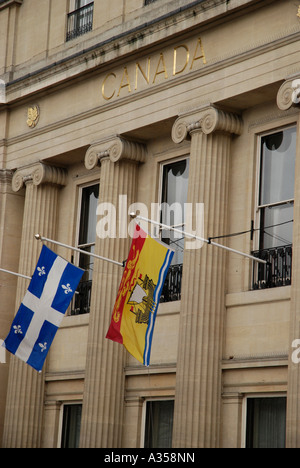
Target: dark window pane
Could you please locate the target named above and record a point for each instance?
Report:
(266, 422)
(159, 424)
(71, 426)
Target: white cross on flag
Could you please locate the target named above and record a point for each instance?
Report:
(50, 292)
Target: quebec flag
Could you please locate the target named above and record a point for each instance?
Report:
(50, 292)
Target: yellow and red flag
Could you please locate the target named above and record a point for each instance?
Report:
(135, 310)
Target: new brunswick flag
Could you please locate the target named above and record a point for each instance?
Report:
(134, 314)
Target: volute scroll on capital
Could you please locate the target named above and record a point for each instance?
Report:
(38, 174)
(116, 149)
(289, 94)
(207, 120)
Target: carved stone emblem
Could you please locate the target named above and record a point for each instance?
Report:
(33, 115)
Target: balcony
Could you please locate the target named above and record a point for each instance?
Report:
(80, 21)
(172, 288)
(278, 270)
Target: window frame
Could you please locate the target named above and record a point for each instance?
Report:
(244, 410)
(76, 255)
(61, 418)
(144, 414)
(74, 33)
(171, 291)
(259, 207)
(162, 165)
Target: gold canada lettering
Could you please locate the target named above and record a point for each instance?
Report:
(153, 70)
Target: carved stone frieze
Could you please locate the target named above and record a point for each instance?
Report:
(116, 148)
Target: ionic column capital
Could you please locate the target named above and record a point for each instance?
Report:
(289, 94)
(116, 148)
(38, 174)
(208, 120)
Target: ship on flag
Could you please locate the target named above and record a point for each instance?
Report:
(134, 314)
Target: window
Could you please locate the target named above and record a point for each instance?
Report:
(71, 426)
(159, 424)
(86, 241)
(174, 196)
(266, 422)
(80, 20)
(276, 208)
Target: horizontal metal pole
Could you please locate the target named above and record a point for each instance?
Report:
(193, 236)
(170, 228)
(15, 274)
(90, 254)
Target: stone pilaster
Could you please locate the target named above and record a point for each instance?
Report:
(11, 210)
(288, 97)
(25, 396)
(198, 378)
(103, 404)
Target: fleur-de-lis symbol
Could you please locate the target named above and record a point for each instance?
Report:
(18, 330)
(67, 288)
(43, 347)
(41, 271)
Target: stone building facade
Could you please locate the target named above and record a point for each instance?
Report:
(136, 101)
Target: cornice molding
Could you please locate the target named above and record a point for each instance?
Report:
(115, 148)
(107, 53)
(9, 3)
(208, 120)
(38, 174)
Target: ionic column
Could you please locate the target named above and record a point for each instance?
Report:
(103, 404)
(198, 378)
(286, 99)
(25, 395)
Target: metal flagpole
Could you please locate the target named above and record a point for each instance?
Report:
(193, 236)
(15, 274)
(45, 239)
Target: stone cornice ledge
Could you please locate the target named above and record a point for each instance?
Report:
(116, 148)
(208, 119)
(8, 3)
(120, 41)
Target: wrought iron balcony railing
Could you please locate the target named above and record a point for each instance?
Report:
(80, 21)
(171, 291)
(278, 270)
(172, 288)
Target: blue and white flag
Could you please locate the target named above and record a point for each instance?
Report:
(50, 292)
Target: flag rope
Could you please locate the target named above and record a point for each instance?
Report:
(45, 239)
(193, 236)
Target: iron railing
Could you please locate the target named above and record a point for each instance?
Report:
(81, 303)
(172, 288)
(80, 21)
(278, 270)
